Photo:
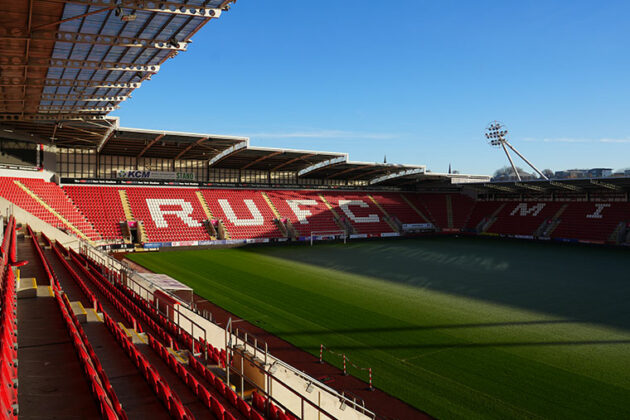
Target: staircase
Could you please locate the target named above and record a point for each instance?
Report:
(292, 233)
(277, 217)
(388, 218)
(281, 227)
(487, 223)
(204, 205)
(449, 211)
(53, 211)
(272, 206)
(126, 232)
(343, 224)
(546, 229)
(126, 206)
(223, 232)
(212, 232)
(416, 209)
(618, 236)
(142, 233)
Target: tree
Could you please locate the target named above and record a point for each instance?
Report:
(548, 173)
(506, 173)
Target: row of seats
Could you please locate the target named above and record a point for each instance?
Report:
(56, 198)
(523, 218)
(102, 206)
(181, 335)
(169, 333)
(245, 213)
(593, 221)
(168, 214)
(211, 402)
(160, 387)
(187, 341)
(59, 252)
(176, 214)
(246, 410)
(108, 403)
(265, 405)
(8, 326)
(397, 207)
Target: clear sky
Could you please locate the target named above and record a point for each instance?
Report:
(413, 79)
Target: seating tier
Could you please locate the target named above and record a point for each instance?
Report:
(245, 213)
(102, 207)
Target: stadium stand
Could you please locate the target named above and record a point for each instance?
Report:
(481, 213)
(306, 211)
(101, 206)
(595, 221)
(57, 199)
(433, 205)
(168, 214)
(396, 206)
(8, 326)
(462, 206)
(360, 211)
(245, 213)
(523, 218)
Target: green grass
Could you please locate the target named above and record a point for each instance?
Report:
(460, 328)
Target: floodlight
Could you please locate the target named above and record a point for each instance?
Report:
(496, 133)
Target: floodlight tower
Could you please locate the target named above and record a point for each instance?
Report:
(495, 133)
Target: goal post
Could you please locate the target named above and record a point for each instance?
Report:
(328, 234)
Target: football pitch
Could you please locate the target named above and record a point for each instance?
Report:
(457, 327)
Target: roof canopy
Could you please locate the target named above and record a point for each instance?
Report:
(341, 168)
(270, 159)
(618, 184)
(167, 144)
(79, 59)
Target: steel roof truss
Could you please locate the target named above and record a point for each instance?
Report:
(156, 7)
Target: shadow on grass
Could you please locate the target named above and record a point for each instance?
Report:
(423, 327)
(475, 345)
(585, 284)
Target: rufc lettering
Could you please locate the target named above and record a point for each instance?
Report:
(523, 210)
(182, 209)
(599, 208)
(301, 214)
(345, 206)
(255, 220)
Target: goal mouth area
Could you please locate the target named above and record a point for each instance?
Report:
(328, 235)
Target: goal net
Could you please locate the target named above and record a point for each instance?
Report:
(324, 235)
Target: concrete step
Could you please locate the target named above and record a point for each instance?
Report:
(93, 316)
(45, 291)
(79, 311)
(27, 288)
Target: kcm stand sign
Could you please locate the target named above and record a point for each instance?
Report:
(174, 176)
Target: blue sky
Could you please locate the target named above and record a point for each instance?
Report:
(416, 80)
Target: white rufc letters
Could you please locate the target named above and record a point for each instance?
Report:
(345, 206)
(256, 219)
(524, 210)
(184, 212)
(301, 214)
(599, 208)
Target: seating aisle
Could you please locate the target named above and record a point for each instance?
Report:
(46, 354)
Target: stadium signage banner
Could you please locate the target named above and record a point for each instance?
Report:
(175, 176)
(417, 226)
(389, 234)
